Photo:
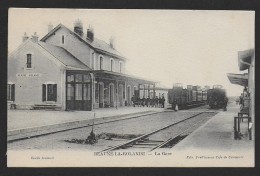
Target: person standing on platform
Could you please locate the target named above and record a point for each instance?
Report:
(133, 101)
(163, 101)
(143, 101)
(148, 102)
(225, 103)
(152, 102)
(241, 102)
(176, 106)
(160, 102)
(138, 100)
(156, 101)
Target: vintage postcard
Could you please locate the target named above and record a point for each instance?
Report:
(130, 88)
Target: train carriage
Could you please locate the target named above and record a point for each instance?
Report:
(204, 95)
(177, 95)
(185, 98)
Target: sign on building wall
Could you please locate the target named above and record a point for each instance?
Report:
(29, 75)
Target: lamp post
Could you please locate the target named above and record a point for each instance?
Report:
(92, 137)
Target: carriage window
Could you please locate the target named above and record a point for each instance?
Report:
(29, 61)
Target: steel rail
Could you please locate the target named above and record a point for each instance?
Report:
(149, 134)
(172, 138)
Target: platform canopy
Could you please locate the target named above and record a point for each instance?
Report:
(103, 74)
(239, 79)
(244, 59)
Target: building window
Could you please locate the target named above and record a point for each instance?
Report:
(49, 92)
(10, 92)
(29, 61)
(120, 67)
(96, 93)
(111, 65)
(62, 39)
(93, 60)
(100, 63)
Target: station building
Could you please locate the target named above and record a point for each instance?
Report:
(246, 62)
(71, 70)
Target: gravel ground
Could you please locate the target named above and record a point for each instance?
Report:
(141, 125)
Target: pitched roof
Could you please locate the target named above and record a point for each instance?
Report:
(97, 44)
(63, 56)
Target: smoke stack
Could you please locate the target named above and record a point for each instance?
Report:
(35, 37)
(25, 37)
(90, 34)
(78, 27)
(50, 27)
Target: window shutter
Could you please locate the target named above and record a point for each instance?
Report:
(55, 92)
(43, 92)
(12, 92)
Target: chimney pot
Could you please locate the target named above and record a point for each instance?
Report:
(78, 27)
(35, 37)
(90, 34)
(50, 27)
(112, 42)
(25, 37)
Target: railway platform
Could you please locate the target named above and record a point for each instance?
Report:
(214, 142)
(28, 123)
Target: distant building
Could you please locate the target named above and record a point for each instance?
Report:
(71, 70)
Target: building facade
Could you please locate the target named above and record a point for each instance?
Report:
(71, 70)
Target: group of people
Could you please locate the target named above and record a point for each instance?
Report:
(149, 102)
(244, 101)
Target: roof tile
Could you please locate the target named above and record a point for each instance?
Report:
(63, 56)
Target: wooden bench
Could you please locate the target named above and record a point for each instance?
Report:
(46, 107)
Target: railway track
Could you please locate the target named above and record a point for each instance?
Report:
(150, 145)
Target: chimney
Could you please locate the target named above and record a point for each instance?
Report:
(112, 42)
(50, 27)
(90, 34)
(25, 37)
(35, 37)
(78, 27)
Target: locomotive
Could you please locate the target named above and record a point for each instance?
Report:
(188, 97)
(217, 97)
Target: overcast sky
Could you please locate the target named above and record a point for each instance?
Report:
(189, 47)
